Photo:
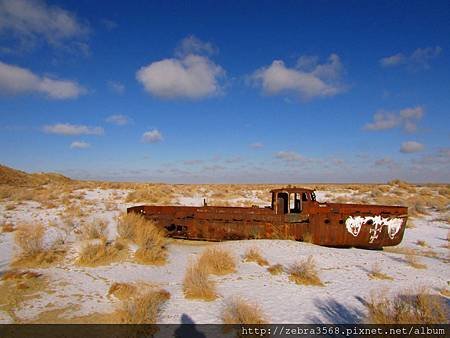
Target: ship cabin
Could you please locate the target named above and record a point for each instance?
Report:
(292, 200)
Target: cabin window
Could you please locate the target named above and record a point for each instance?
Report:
(327, 221)
(295, 204)
(282, 203)
(304, 196)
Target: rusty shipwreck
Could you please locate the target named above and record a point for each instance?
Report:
(293, 214)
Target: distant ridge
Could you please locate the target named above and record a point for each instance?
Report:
(14, 177)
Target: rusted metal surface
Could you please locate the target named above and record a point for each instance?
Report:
(294, 214)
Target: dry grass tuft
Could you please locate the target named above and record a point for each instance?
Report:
(240, 311)
(254, 255)
(151, 241)
(122, 291)
(142, 308)
(8, 227)
(445, 292)
(413, 261)
(375, 273)
(413, 307)
(217, 261)
(17, 287)
(30, 239)
(275, 269)
(421, 243)
(97, 229)
(128, 223)
(103, 253)
(196, 283)
(305, 272)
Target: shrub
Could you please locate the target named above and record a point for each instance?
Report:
(254, 255)
(413, 307)
(197, 285)
(275, 269)
(217, 261)
(304, 272)
(239, 311)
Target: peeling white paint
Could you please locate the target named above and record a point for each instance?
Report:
(353, 225)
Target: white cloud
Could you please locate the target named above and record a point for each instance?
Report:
(289, 156)
(71, 129)
(79, 145)
(193, 45)
(119, 120)
(308, 80)
(393, 60)
(152, 136)
(419, 59)
(192, 77)
(386, 162)
(406, 118)
(28, 20)
(411, 147)
(192, 162)
(256, 145)
(116, 87)
(17, 80)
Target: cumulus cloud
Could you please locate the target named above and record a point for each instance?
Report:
(68, 129)
(256, 145)
(152, 136)
(406, 118)
(118, 119)
(308, 79)
(28, 20)
(17, 80)
(289, 156)
(411, 147)
(418, 59)
(79, 145)
(188, 75)
(192, 77)
(116, 87)
(386, 162)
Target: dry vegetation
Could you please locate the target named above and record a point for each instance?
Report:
(122, 290)
(240, 311)
(413, 261)
(8, 227)
(97, 229)
(217, 261)
(305, 272)
(160, 194)
(17, 287)
(254, 255)
(102, 253)
(275, 269)
(412, 307)
(196, 283)
(151, 240)
(375, 272)
(30, 239)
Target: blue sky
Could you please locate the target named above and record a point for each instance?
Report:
(255, 91)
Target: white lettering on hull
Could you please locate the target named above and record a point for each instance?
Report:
(353, 225)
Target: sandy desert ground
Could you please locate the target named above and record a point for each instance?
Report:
(54, 285)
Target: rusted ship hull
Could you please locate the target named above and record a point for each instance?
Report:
(329, 224)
